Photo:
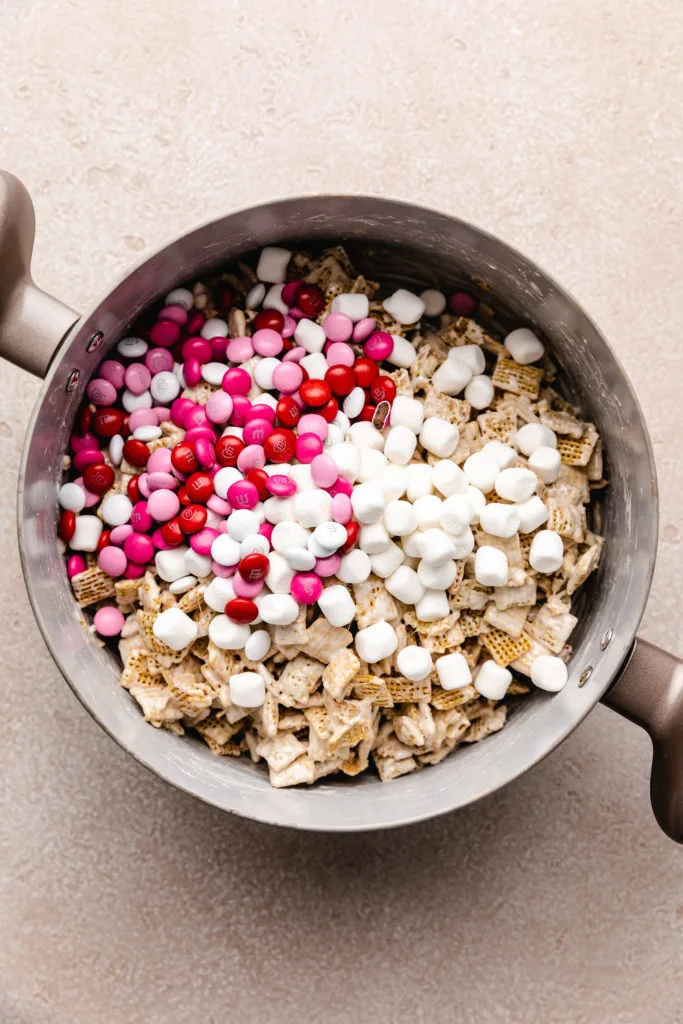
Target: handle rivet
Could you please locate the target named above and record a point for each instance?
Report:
(72, 380)
(95, 342)
(585, 675)
(606, 639)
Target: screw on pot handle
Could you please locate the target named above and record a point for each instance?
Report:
(649, 692)
(32, 323)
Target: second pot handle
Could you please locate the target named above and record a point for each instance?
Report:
(649, 692)
(32, 323)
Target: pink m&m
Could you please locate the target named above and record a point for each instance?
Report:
(178, 314)
(287, 377)
(295, 355)
(312, 423)
(158, 360)
(243, 588)
(308, 446)
(267, 342)
(192, 371)
(138, 548)
(243, 494)
(288, 327)
(164, 333)
(328, 566)
(219, 407)
(324, 470)
(114, 371)
(142, 418)
(251, 457)
(342, 509)
(219, 505)
(138, 378)
(379, 346)
(363, 329)
(101, 392)
(280, 485)
(159, 461)
(161, 481)
(108, 621)
(256, 431)
(119, 533)
(163, 505)
(237, 381)
(339, 354)
(338, 327)
(238, 350)
(306, 587)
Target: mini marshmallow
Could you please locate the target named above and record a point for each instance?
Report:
(404, 306)
(463, 543)
(310, 336)
(403, 353)
(247, 689)
(272, 264)
(367, 501)
(407, 412)
(218, 593)
(516, 484)
(364, 435)
(524, 346)
(170, 564)
(371, 462)
(418, 480)
(299, 559)
(263, 372)
(342, 420)
(224, 550)
(175, 629)
(411, 544)
(492, 681)
(355, 305)
(546, 552)
(532, 514)
(405, 585)
(439, 437)
(116, 509)
(257, 646)
(499, 520)
(427, 511)
(273, 300)
(434, 301)
(387, 562)
(182, 585)
(481, 471)
(546, 462)
(400, 445)
(226, 634)
(548, 673)
(400, 518)
(392, 480)
(287, 535)
(331, 536)
(432, 606)
(335, 435)
(456, 514)
(436, 577)
(255, 296)
(278, 609)
(312, 508)
(415, 663)
(347, 460)
(491, 566)
(373, 539)
(198, 565)
(300, 474)
(477, 501)
(448, 478)
(532, 436)
(452, 376)
(479, 391)
(376, 642)
(279, 576)
(472, 355)
(72, 497)
(315, 365)
(504, 455)
(337, 606)
(278, 510)
(355, 567)
(436, 546)
(453, 671)
(87, 533)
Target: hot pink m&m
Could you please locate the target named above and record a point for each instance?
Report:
(163, 505)
(108, 621)
(75, 565)
(243, 494)
(90, 457)
(196, 417)
(260, 412)
(192, 371)
(280, 485)
(205, 452)
(266, 530)
(328, 566)
(312, 423)
(180, 408)
(324, 470)
(83, 442)
(202, 540)
(339, 354)
(195, 433)
(256, 431)
(379, 346)
(240, 410)
(342, 509)
(306, 587)
(307, 447)
(287, 377)
(140, 519)
(238, 350)
(197, 348)
(160, 542)
(164, 333)
(101, 392)
(341, 486)
(338, 327)
(267, 342)
(138, 548)
(219, 407)
(236, 381)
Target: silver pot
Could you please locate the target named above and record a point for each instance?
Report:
(399, 242)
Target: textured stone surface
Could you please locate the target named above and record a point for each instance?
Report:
(554, 123)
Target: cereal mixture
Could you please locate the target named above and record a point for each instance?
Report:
(329, 525)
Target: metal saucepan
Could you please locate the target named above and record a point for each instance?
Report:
(390, 240)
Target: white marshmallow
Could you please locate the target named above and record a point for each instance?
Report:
(439, 437)
(198, 565)
(347, 460)
(72, 497)
(504, 455)
(182, 585)
(316, 549)
(279, 510)
(337, 605)
(452, 376)
(434, 301)
(407, 412)
(355, 567)
(371, 462)
(278, 609)
(218, 593)
(418, 480)
(247, 689)
(376, 642)
(436, 577)
(310, 336)
(532, 436)
(272, 264)
(170, 564)
(335, 435)
(255, 296)
(263, 372)
(373, 539)
(448, 478)
(477, 501)
(427, 511)
(353, 404)
(315, 365)
(471, 355)
(287, 535)
(516, 484)
(411, 544)
(479, 392)
(116, 509)
(355, 305)
(132, 348)
(279, 576)
(524, 346)
(175, 629)
(400, 518)
(405, 585)
(492, 680)
(546, 552)
(548, 673)
(532, 514)
(180, 297)
(131, 402)
(392, 480)
(456, 514)
(436, 546)
(491, 566)
(453, 671)
(342, 420)
(312, 508)
(432, 606)
(463, 543)
(257, 646)
(387, 562)
(546, 462)
(400, 445)
(415, 663)
(226, 634)
(403, 353)
(225, 550)
(254, 544)
(404, 306)
(481, 471)
(301, 475)
(116, 449)
(266, 399)
(330, 536)
(367, 501)
(300, 559)
(499, 520)
(273, 300)
(364, 435)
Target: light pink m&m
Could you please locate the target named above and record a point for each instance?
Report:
(338, 327)
(161, 481)
(238, 350)
(101, 392)
(159, 461)
(243, 588)
(342, 510)
(287, 377)
(108, 621)
(219, 407)
(295, 355)
(312, 423)
(251, 457)
(324, 470)
(138, 378)
(163, 505)
(339, 354)
(306, 587)
(159, 360)
(119, 533)
(267, 342)
(328, 566)
(363, 329)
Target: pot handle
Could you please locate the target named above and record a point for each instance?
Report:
(649, 692)
(32, 323)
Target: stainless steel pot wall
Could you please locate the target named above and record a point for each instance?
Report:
(401, 242)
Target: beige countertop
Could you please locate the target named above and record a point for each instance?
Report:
(553, 123)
